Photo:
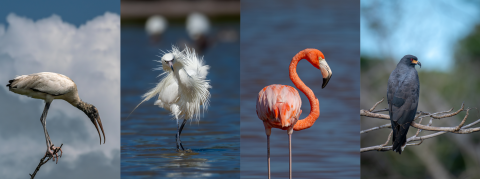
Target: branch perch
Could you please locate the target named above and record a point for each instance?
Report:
(44, 160)
(460, 129)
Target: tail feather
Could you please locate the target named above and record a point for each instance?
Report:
(399, 136)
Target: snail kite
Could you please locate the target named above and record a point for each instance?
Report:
(402, 94)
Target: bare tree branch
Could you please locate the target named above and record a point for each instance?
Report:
(460, 129)
(43, 161)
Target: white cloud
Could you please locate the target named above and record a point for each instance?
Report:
(90, 56)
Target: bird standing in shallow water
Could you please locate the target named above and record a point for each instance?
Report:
(49, 86)
(402, 95)
(183, 90)
(278, 106)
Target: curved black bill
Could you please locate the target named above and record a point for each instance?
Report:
(419, 64)
(325, 81)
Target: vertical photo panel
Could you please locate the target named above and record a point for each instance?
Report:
(300, 89)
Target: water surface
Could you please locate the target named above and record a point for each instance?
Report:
(148, 135)
(272, 32)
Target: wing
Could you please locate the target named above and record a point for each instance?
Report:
(46, 82)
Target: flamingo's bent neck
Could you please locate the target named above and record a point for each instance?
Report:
(314, 104)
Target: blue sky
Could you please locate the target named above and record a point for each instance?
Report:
(428, 29)
(74, 12)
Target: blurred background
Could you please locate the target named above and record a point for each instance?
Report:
(66, 38)
(150, 28)
(272, 33)
(445, 36)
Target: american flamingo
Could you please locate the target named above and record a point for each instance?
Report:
(278, 106)
(183, 88)
(49, 86)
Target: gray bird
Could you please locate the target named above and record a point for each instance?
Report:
(402, 95)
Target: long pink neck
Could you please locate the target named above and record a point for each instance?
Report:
(314, 104)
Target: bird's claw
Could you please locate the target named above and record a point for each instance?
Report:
(53, 152)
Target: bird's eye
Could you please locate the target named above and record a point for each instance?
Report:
(411, 59)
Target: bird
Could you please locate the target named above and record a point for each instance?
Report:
(183, 89)
(278, 106)
(198, 26)
(402, 94)
(155, 26)
(50, 86)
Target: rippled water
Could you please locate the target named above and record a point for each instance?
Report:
(272, 32)
(148, 135)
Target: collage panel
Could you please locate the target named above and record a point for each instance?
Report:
(326, 35)
(420, 89)
(180, 89)
(60, 74)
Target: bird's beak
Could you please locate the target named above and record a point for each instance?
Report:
(326, 72)
(417, 63)
(171, 65)
(99, 121)
(325, 81)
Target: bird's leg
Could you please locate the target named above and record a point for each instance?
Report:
(179, 132)
(268, 131)
(290, 131)
(44, 123)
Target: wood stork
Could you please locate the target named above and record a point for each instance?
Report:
(49, 86)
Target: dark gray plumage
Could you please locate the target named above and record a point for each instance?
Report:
(402, 95)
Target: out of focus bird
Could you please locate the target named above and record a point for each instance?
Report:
(49, 86)
(155, 26)
(183, 89)
(402, 95)
(198, 27)
(278, 106)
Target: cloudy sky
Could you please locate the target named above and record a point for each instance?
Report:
(85, 48)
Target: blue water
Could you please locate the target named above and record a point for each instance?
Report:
(148, 135)
(272, 32)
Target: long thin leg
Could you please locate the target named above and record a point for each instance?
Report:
(268, 154)
(44, 123)
(290, 131)
(268, 131)
(290, 153)
(179, 132)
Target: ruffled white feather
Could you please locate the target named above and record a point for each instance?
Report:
(183, 91)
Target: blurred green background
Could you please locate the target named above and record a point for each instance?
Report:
(445, 36)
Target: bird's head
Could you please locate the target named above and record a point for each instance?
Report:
(92, 113)
(411, 60)
(167, 62)
(316, 58)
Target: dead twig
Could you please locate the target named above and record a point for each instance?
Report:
(460, 129)
(44, 160)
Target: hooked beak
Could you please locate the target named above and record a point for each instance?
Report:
(326, 80)
(171, 65)
(99, 121)
(416, 62)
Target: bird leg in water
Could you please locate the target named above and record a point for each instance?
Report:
(50, 147)
(268, 131)
(179, 132)
(290, 131)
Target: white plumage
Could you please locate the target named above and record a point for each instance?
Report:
(49, 86)
(183, 89)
